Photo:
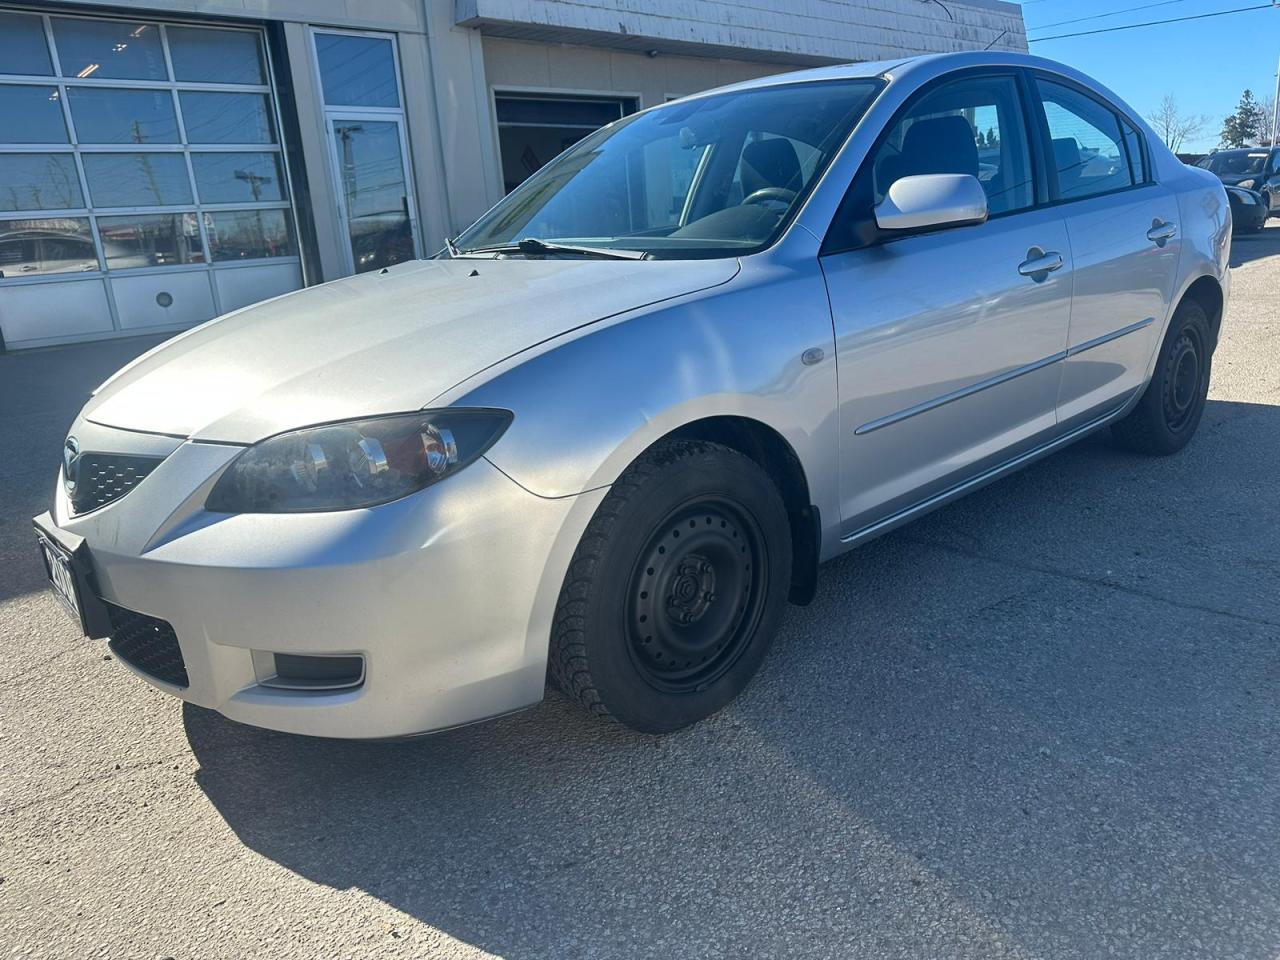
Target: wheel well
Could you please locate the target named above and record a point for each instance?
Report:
(1208, 294)
(774, 455)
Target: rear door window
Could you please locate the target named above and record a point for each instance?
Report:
(1088, 155)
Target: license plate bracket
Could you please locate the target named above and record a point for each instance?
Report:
(69, 567)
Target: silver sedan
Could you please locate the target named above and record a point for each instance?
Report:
(619, 423)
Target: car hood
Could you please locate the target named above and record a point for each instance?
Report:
(378, 343)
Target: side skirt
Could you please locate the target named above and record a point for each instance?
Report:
(893, 521)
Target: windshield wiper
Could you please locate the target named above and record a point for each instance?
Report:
(533, 247)
(451, 247)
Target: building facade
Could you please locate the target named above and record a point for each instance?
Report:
(162, 163)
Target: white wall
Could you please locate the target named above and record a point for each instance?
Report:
(795, 31)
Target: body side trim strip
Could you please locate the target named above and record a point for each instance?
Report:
(1108, 337)
(960, 394)
(987, 476)
(995, 381)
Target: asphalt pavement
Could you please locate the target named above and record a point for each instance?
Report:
(1041, 722)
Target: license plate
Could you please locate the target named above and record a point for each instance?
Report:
(61, 577)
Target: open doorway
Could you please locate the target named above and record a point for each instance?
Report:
(535, 128)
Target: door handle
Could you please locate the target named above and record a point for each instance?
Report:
(1039, 264)
(1161, 232)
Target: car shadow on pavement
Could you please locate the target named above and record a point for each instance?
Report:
(1040, 722)
(1249, 247)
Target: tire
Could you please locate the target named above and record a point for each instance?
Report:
(1171, 407)
(644, 632)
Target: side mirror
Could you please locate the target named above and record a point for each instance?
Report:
(932, 200)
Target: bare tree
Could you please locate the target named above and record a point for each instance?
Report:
(1175, 127)
(1266, 110)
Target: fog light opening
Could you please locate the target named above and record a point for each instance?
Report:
(297, 672)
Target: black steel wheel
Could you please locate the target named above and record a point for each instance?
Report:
(1170, 409)
(696, 595)
(676, 589)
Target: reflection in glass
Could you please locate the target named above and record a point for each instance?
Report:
(215, 56)
(238, 177)
(151, 240)
(374, 192)
(357, 71)
(226, 117)
(32, 248)
(123, 116)
(22, 46)
(137, 179)
(248, 234)
(32, 114)
(109, 49)
(39, 181)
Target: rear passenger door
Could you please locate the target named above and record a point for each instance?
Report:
(1123, 229)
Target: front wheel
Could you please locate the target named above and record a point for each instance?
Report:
(1166, 417)
(676, 589)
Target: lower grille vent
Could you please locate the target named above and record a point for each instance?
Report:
(147, 644)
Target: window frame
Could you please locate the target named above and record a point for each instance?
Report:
(865, 233)
(1041, 122)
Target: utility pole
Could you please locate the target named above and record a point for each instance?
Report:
(1275, 108)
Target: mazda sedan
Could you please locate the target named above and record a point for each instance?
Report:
(609, 432)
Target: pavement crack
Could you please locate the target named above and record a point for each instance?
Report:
(1091, 581)
(33, 667)
(89, 781)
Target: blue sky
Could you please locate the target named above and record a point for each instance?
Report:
(1205, 64)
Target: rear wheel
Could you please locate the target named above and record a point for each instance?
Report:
(676, 589)
(1167, 415)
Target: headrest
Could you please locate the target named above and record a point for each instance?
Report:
(769, 163)
(938, 145)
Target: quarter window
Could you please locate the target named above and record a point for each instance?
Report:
(1088, 154)
(971, 126)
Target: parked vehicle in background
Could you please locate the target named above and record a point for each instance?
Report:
(1248, 210)
(1254, 168)
(612, 430)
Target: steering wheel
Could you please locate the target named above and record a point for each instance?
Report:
(764, 194)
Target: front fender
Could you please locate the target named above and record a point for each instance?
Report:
(589, 405)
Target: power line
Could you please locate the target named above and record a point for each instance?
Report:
(1154, 23)
(1100, 16)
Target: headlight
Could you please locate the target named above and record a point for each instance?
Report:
(357, 463)
(1247, 184)
(1244, 196)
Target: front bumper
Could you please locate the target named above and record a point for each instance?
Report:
(448, 594)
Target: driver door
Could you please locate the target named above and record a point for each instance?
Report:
(948, 349)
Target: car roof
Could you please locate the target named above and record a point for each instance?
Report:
(895, 69)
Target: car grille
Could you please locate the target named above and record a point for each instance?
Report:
(104, 477)
(147, 644)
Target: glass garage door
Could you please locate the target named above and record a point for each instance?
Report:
(142, 183)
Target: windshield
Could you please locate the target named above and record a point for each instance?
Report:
(1234, 164)
(715, 176)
